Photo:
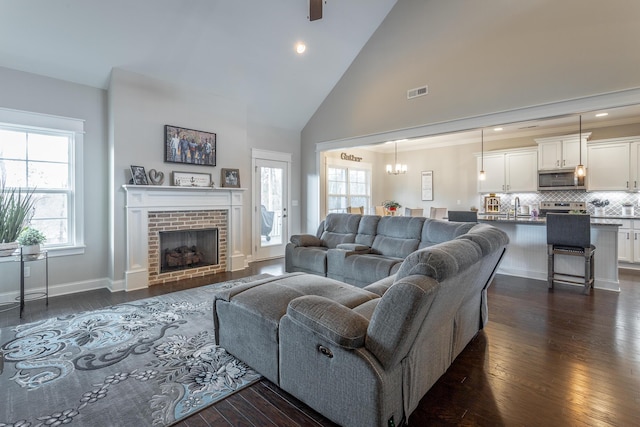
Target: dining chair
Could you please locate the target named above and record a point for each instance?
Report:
(380, 210)
(438, 213)
(355, 210)
(413, 211)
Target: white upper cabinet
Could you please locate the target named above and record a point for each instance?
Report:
(560, 152)
(509, 171)
(614, 164)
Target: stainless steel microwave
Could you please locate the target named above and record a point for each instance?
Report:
(560, 179)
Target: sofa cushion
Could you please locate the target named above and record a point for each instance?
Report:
(442, 260)
(368, 268)
(487, 237)
(367, 229)
(340, 228)
(397, 236)
(436, 231)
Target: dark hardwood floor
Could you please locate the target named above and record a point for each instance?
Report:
(545, 359)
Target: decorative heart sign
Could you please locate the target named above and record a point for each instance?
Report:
(157, 178)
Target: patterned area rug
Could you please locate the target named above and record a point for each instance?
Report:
(143, 363)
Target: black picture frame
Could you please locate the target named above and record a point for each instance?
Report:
(189, 146)
(139, 175)
(230, 178)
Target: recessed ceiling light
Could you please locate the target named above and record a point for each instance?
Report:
(497, 129)
(602, 114)
(301, 47)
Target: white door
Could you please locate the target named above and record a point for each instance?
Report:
(271, 208)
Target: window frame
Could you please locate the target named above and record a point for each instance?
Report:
(341, 164)
(25, 121)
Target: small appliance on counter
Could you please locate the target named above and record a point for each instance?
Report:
(561, 207)
(627, 210)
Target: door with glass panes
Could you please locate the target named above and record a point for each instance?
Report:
(270, 208)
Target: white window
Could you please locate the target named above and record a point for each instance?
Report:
(348, 186)
(39, 153)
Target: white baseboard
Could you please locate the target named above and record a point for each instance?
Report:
(60, 289)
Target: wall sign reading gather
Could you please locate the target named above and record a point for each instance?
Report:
(351, 157)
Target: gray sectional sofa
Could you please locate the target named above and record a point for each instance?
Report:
(361, 249)
(365, 356)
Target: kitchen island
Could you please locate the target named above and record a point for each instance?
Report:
(526, 254)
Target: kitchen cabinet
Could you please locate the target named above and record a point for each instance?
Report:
(509, 171)
(614, 164)
(561, 152)
(629, 241)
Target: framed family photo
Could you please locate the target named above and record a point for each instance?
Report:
(139, 175)
(230, 178)
(189, 146)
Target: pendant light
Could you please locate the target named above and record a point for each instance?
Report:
(482, 175)
(399, 168)
(580, 171)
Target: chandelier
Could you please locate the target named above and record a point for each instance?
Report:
(399, 168)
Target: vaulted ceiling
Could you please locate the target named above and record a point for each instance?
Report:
(242, 50)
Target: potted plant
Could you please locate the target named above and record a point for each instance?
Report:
(391, 206)
(599, 205)
(30, 240)
(15, 211)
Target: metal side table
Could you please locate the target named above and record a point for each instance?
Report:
(26, 258)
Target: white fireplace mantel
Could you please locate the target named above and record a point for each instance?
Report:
(142, 199)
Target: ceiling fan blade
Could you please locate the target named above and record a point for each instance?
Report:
(315, 9)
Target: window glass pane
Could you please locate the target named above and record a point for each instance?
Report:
(50, 148)
(337, 203)
(48, 175)
(50, 206)
(15, 172)
(360, 201)
(54, 229)
(13, 145)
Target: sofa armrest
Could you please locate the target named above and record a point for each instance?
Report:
(381, 286)
(334, 321)
(306, 240)
(354, 247)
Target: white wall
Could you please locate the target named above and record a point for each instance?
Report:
(140, 106)
(477, 58)
(30, 92)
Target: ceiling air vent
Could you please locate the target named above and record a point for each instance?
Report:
(419, 91)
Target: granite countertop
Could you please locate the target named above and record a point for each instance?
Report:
(528, 220)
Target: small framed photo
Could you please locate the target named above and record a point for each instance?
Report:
(191, 179)
(139, 175)
(230, 178)
(189, 146)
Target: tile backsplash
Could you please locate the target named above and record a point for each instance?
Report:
(616, 200)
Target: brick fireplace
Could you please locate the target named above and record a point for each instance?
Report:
(188, 224)
(152, 209)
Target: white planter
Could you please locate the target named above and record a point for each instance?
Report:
(6, 249)
(598, 212)
(31, 249)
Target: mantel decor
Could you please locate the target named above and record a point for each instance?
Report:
(230, 178)
(189, 146)
(191, 179)
(139, 176)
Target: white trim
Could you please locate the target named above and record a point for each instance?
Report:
(60, 289)
(537, 112)
(75, 127)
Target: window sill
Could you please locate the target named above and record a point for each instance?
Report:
(53, 252)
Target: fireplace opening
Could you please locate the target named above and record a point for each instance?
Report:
(183, 249)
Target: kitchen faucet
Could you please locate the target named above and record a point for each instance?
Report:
(516, 207)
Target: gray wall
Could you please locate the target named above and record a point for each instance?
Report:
(140, 106)
(477, 58)
(30, 92)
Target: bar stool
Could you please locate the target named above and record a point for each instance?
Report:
(569, 234)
